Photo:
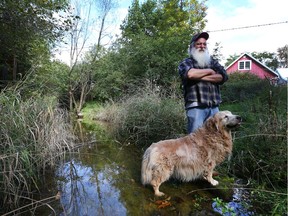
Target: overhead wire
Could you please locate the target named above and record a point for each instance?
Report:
(218, 30)
(244, 27)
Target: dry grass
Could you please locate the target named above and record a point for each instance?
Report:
(34, 135)
(147, 116)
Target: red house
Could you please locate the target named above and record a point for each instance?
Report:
(248, 64)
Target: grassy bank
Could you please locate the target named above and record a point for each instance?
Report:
(34, 136)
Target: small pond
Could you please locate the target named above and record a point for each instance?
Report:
(103, 178)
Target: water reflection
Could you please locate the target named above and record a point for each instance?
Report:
(104, 179)
(239, 204)
(87, 191)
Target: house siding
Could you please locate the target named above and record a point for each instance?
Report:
(256, 69)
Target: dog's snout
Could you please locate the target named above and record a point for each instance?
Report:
(239, 118)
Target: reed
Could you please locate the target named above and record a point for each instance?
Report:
(146, 116)
(35, 135)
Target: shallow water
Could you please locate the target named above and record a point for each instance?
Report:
(103, 178)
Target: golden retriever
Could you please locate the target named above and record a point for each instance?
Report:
(190, 157)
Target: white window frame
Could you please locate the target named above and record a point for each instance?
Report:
(246, 66)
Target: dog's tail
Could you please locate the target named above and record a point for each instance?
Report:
(146, 171)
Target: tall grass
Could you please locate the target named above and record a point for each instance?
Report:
(147, 116)
(260, 150)
(34, 136)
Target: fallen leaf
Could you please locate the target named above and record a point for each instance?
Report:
(164, 204)
(159, 202)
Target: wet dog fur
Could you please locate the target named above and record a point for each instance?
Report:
(190, 157)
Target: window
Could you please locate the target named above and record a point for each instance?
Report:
(244, 65)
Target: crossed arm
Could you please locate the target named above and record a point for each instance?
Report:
(205, 75)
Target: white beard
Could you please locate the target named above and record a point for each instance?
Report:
(202, 57)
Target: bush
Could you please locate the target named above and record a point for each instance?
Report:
(148, 117)
(241, 87)
(260, 148)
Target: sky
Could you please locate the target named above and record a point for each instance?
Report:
(223, 15)
(229, 14)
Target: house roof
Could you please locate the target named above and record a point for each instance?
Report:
(250, 56)
(283, 73)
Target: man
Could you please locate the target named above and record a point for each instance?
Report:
(201, 76)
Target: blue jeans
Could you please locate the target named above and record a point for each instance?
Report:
(197, 115)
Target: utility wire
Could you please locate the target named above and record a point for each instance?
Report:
(219, 30)
(253, 26)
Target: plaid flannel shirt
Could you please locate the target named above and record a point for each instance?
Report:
(201, 93)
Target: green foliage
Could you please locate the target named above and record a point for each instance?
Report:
(260, 146)
(28, 29)
(241, 87)
(267, 58)
(224, 208)
(231, 59)
(155, 39)
(141, 19)
(48, 78)
(263, 138)
(282, 53)
(268, 202)
(108, 78)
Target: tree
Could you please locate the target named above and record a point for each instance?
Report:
(283, 56)
(26, 25)
(104, 6)
(107, 76)
(80, 74)
(155, 36)
(267, 58)
(231, 59)
(164, 18)
(216, 54)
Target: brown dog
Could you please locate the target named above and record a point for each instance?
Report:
(190, 157)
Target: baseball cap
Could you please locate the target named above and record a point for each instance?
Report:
(199, 35)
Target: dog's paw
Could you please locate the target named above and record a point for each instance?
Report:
(214, 182)
(159, 193)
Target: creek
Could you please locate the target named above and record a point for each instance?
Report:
(103, 178)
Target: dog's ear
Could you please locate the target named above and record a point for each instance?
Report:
(212, 123)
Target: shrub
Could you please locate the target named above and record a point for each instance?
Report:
(260, 148)
(147, 117)
(241, 87)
